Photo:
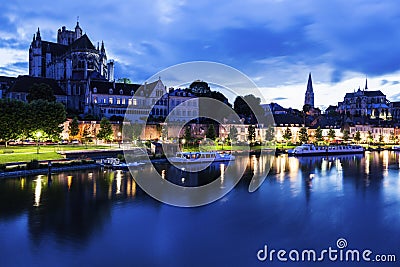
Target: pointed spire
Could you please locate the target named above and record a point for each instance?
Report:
(309, 96)
(38, 34)
(366, 83)
(309, 83)
(102, 47)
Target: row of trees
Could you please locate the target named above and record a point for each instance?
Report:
(20, 120)
(304, 137)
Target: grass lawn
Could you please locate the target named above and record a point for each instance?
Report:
(46, 152)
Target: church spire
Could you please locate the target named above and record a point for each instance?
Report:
(366, 84)
(102, 47)
(309, 96)
(38, 34)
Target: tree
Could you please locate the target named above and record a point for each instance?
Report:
(233, 134)
(187, 134)
(318, 134)
(331, 134)
(40, 91)
(12, 119)
(137, 130)
(357, 136)
(210, 134)
(85, 135)
(74, 127)
(164, 131)
(46, 117)
(346, 135)
(287, 135)
(306, 109)
(105, 132)
(303, 135)
(251, 134)
(270, 133)
(370, 137)
(249, 106)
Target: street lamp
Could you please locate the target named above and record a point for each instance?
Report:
(38, 135)
(119, 139)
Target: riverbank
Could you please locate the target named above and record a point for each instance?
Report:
(47, 171)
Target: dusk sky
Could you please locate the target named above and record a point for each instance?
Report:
(275, 42)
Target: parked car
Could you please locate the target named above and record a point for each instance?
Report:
(75, 142)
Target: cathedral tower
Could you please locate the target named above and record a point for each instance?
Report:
(309, 96)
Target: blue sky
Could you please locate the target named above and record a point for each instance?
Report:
(275, 42)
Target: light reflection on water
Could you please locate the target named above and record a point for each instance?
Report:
(95, 215)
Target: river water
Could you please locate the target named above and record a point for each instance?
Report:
(103, 218)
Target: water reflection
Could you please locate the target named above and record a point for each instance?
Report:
(38, 191)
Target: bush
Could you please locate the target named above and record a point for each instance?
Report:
(2, 167)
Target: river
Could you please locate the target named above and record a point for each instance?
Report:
(103, 218)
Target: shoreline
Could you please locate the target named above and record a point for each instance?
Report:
(14, 174)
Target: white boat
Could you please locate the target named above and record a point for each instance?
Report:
(201, 157)
(310, 149)
(115, 163)
(396, 147)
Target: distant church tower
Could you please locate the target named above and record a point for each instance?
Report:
(309, 96)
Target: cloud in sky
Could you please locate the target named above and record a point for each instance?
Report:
(276, 42)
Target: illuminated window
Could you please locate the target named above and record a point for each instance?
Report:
(135, 102)
(118, 101)
(110, 100)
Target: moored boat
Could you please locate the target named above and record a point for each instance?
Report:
(310, 149)
(396, 147)
(200, 157)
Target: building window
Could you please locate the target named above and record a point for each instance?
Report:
(95, 100)
(123, 101)
(130, 101)
(110, 100)
(110, 91)
(95, 90)
(121, 92)
(135, 102)
(118, 101)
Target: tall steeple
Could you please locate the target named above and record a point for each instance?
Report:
(366, 84)
(309, 96)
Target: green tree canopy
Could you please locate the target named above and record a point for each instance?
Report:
(74, 127)
(188, 133)
(346, 135)
(303, 135)
(331, 134)
(318, 134)
(12, 119)
(357, 136)
(251, 134)
(233, 134)
(249, 106)
(40, 91)
(287, 135)
(105, 132)
(210, 134)
(46, 117)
